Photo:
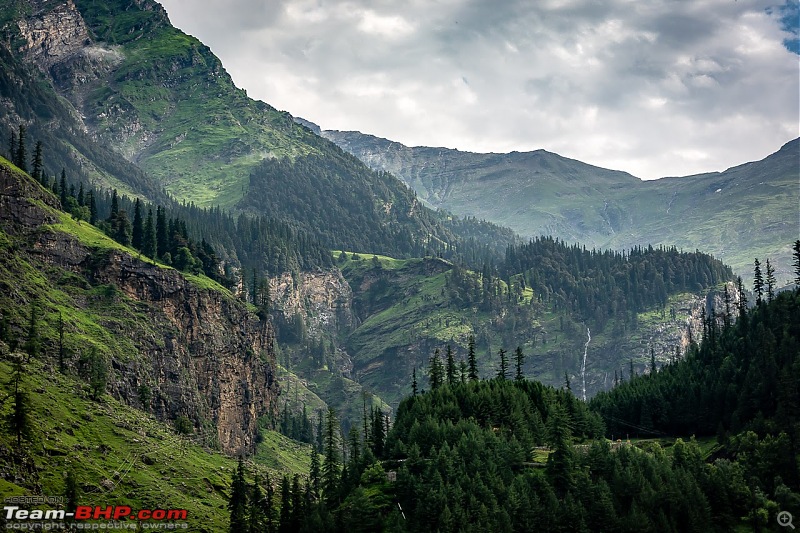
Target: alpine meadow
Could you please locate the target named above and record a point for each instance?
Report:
(217, 316)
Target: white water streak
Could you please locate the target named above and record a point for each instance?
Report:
(583, 369)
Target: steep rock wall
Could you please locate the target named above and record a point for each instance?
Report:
(199, 351)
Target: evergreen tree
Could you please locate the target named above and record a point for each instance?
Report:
(331, 464)
(19, 419)
(451, 366)
(771, 282)
(98, 373)
(162, 240)
(21, 155)
(256, 519)
(92, 209)
(519, 359)
(561, 460)
(471, 361)
(269, 505)
(378, 430)
(137, 233)
(502, 371)
(81, 196)
(12, 147)
(149, 236)
(462, 370)
(36, 172)
(436, 371)
(758, 282)
(237, 503)
(285, 520)
(62, 189)
(122, 228)
(314, 474)
(414, 382)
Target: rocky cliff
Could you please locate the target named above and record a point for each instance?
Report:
(53, 33)
(177, 347)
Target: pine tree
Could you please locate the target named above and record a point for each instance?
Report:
(36, 172)
(92, 209)
(471, 361)
(414, 382)
(255, 516)
(519, 359)
(502, 371)
(378, 432)
(12, 147)
(462, 370)
(19, 419)
(331, 464)
(122, 228)
(162, 240)
(436, 372)
(137, 234)
(269, 505)
(237, 503)
(560, 462)
(98, 373)
(314, 474)
(62, 189)
(81, 196)
(284, 522)
(21, 155)
(771, 282)
(758, 282)
(149, 236)
(451, 366)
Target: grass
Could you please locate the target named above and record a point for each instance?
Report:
(122, 456)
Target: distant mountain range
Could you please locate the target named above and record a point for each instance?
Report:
(748, 211)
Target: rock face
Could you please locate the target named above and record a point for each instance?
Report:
(54, 33)
(199, 352)
(324, 299)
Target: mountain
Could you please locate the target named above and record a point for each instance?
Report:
(123, 99)
(744, 212)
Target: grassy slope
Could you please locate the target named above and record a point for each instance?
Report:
(199, 135)
(148, 464)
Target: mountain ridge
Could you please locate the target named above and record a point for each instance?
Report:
(539, 193)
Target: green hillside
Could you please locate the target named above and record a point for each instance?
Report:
(407, 309)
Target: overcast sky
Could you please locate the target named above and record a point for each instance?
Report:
(653, 87)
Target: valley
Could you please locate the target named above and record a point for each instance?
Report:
(386, 338)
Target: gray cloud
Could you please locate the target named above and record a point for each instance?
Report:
(658, 87)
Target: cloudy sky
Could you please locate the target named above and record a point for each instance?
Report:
(653, 87)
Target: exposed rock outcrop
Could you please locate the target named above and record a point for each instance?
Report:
(54, 33)
(198, 351)
(323, 299)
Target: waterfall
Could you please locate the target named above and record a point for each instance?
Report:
(583, 369)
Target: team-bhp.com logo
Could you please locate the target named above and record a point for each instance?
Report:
(111, 517)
